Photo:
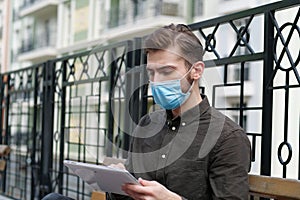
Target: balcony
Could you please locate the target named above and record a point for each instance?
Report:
(157, 9)
(143, 16)
(40, 48)
(38, 7)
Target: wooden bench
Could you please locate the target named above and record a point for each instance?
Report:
(96, 195)
(275, 188)
(4, 152)
(260, 186)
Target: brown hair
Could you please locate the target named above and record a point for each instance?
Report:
(179, 37)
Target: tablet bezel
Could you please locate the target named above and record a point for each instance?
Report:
(104, 178)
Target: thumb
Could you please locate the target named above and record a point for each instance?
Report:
(144, 182)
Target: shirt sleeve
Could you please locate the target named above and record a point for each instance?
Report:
(229, 166)
(128, 166)
(112, 196)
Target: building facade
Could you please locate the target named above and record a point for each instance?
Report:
(4, 34)
(44, 29)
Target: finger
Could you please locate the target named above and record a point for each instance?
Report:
(144, 182)
(132, 188)
(141, 181)
(120, 166)
(117, 166)
(133, 193)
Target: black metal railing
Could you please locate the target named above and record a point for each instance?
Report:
(38, 41)
(271, 62)
(84, 106)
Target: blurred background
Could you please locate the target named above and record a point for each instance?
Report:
(68, 90)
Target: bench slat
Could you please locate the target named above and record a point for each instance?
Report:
(96, 195)
(271, 187)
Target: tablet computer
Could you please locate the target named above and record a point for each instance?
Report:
(100, 177)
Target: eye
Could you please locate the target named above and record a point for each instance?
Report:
(166, 71)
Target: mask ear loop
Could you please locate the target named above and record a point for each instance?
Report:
(191, 84)
(187, 72)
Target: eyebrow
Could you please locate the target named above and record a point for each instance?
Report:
(160, 68)
(166, 67)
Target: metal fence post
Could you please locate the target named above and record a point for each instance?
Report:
(47, 129)
(62, 127)
(267, 110)
(133, 90)
(129, 99)
(34, 167)
(110, 134)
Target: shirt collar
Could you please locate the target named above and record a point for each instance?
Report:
(191, 114)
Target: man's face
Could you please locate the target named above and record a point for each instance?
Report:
(164, 65)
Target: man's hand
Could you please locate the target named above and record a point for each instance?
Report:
(118, 166)
(149, 190)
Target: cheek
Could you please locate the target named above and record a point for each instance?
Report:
(190, 79)
(186, 84)
(157, 78)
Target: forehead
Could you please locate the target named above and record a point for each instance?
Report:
(164, 57)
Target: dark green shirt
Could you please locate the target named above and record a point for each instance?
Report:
(200, 155)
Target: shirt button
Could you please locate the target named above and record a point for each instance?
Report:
(173, 128)
(163, 156)
(183, 123)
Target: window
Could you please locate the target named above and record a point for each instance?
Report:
(16, 46)
(29, 43)
(198, 8)
(66, 27)
(123, 8)
(139, 8)
(47, 31)
(118, 14)
(237, 72)
(169, 8)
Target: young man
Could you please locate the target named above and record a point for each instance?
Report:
(187, 150)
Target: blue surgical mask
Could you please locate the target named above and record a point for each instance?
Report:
(168, 94)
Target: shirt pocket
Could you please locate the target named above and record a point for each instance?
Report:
(187, 177)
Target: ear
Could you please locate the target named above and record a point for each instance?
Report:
(197, 70)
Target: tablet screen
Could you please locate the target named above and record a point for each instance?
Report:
(101, 177)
